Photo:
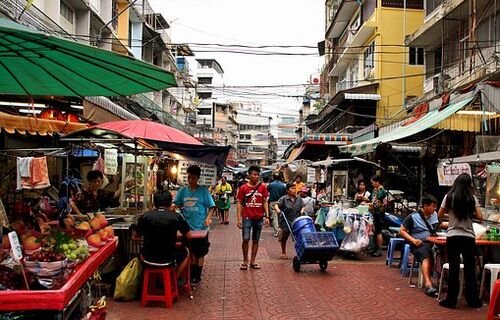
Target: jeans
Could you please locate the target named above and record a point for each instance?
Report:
(252, 226)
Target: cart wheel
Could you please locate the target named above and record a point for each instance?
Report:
(323, 265)
(296, 264)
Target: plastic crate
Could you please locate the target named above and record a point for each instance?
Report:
(316, 246)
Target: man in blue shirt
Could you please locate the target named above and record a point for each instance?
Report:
(197, 208)
(277, 189)
(415, 230)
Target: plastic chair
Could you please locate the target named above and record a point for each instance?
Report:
(494, 271)
(494, 308)
(446, 266)
(154, 274)
(416, 264)
(394, 244)
(404, 269)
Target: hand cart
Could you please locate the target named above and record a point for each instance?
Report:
(313, 247)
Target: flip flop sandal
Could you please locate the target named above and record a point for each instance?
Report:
(284, 257)
(244, 266)
(255, 266)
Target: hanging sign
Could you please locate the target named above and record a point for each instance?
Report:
(208, 175)
(17, 253)
(111, 161)
(447, 173)
(322, 174)
(311, 175)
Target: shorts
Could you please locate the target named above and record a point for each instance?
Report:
(199, 246)
(253, 226)
(378, 222)
(283, 235)
(179, 255)
(423, 252)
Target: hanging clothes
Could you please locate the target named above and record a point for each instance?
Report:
(23, 171)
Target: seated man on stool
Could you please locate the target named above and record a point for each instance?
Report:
(159, 229)
(415, 229)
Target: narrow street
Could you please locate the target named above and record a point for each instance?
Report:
(361, 288)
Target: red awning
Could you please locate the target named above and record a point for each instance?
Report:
(149, 130)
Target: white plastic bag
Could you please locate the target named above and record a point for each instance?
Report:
(331, 217)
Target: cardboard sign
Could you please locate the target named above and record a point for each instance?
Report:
(17, 253)
(447, 173)
(111, 161)
(208, 175)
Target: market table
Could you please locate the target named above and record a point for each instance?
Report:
(57, 300)
(440, 258)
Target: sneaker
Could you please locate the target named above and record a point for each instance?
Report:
(431, 292)
(376, 253)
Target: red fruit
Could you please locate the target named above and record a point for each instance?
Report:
(31, 243)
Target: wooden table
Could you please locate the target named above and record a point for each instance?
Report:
(441, 241)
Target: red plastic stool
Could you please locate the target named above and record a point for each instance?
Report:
(151, 277)
(494, 308)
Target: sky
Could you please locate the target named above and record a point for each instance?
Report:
(253, 23)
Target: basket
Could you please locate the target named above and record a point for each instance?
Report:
(45, 269)
(316, 246)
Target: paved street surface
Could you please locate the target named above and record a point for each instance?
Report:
(352, 288)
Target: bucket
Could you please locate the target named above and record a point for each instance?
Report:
(302, 225)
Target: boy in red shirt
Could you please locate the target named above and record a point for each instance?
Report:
(253, 212)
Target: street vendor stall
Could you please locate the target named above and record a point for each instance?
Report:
(60, 299)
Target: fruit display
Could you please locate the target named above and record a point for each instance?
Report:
(9, 279)
(44, 256)
(75, 250)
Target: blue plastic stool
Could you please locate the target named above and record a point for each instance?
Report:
(395, 244)
(406, 266)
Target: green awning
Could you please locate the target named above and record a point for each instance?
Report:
(430, 119)
(37, 64)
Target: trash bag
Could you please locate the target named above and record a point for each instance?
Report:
(127, 283)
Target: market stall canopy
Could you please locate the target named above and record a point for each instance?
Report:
(480, 157)
(30, 125)
(38, 64)
(162, 137)
(330, 162)
(429, 120)
(148, 130)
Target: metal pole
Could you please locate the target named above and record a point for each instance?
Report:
(403, 94)
(135, 177)
(122, 185)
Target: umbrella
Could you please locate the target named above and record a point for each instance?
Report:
(142, 129)
(37, 64)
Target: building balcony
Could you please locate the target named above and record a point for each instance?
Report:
(429, 34)
(349, 44)
(342, 12)
(345, 85)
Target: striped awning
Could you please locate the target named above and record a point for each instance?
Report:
(362, 96)
(327, 138)
(431, 119)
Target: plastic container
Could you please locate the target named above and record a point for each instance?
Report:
(316, 246)
(304, 224)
